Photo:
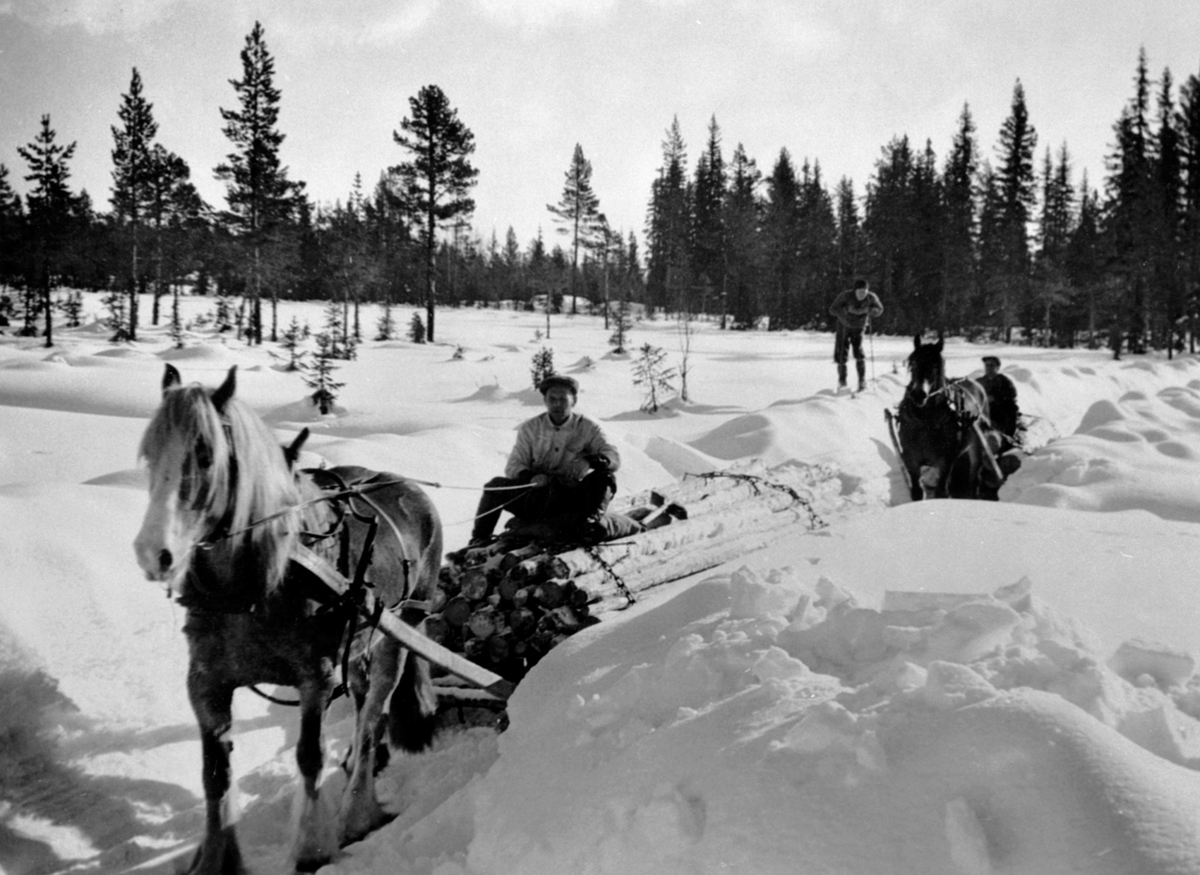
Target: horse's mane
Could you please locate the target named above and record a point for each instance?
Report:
(235, 494)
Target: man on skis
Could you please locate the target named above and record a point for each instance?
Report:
(853, 309)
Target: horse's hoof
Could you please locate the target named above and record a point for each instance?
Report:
(313, 863)
(221, 856)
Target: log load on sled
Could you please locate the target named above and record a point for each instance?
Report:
(506, 604)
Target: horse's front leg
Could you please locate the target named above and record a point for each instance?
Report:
(360, 811)
(916, 489)
(212, 703)
(315, 837)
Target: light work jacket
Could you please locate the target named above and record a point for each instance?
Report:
(559, 450)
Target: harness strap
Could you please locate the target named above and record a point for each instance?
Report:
(413, 639)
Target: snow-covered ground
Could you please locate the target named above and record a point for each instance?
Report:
(943, 687)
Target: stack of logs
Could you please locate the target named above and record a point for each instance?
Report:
(505, 605)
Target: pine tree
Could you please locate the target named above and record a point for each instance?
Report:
(816, 248)
(174, 207)
(1054, 234)
(622, 325)
(578, 213)
(1131, 212)
(72, 307)
(257, 188)
(743, 221)
(960, 224)
(1188, 126)
(436, 182)
(50, 206)
(292, 341)
(668, 277)
(709, 239)
(319, 374)
(133, 174)
(849, 236)
(1016, 189)
(416, 329)
(1085, 259)
(653, 377)
(118, 320)
(12, 222)
(781, 230)
(386, 326)
(542, 365)
(1168, 257)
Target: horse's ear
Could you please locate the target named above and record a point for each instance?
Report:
(940, 344)
(291, 452)
(916, 341)
(225, 391)
(171, 377)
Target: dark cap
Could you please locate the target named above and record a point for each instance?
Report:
(991, 360)
(568, 383)
(860, 283)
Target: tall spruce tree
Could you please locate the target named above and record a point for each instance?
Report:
(1188, 126)
(578, 212)
(816, 248)
(959, 224)
(1016, 184)
(437, 180)
(780, 241)
(174, 211)
(50, 210)
(849, 237)
(1085, 259)
(1055, 224)
(12, 223)
(668, 226)
(260, 196)
(709, 242)
(888, 224)
(743, 220)
(1131, 211)
(133, 176)
(1168, 166)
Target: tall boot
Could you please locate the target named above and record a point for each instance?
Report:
(862, 374)
(841, 375)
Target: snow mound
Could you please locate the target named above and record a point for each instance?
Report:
(1136, 452)
(941, 733)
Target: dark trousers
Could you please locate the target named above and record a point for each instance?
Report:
(847, 339)
(562, 504)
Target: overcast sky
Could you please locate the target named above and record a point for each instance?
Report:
(832, 82)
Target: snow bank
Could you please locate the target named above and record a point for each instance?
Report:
(942, 733)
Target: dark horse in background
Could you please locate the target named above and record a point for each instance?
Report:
(939, 431)
(227, 516)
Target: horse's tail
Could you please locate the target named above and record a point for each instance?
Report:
(413, 712)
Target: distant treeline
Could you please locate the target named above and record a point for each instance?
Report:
(1012, 249)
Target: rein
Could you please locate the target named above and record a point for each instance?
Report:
(348, 492)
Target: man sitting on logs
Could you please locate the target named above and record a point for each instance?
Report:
(566, 465)
(1007, 429)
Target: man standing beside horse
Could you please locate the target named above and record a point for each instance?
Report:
(853, 309)
(560, 470)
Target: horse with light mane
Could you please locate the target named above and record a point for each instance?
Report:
(939, 433)
(228, 517)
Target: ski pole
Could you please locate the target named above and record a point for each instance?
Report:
(871, 342)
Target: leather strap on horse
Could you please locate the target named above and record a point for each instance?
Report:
(395, 628)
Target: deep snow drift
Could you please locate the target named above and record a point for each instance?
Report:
(943, 687)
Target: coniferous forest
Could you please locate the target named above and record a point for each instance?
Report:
(999, 241)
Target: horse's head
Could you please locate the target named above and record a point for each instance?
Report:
(925, 366)
(214, 468)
